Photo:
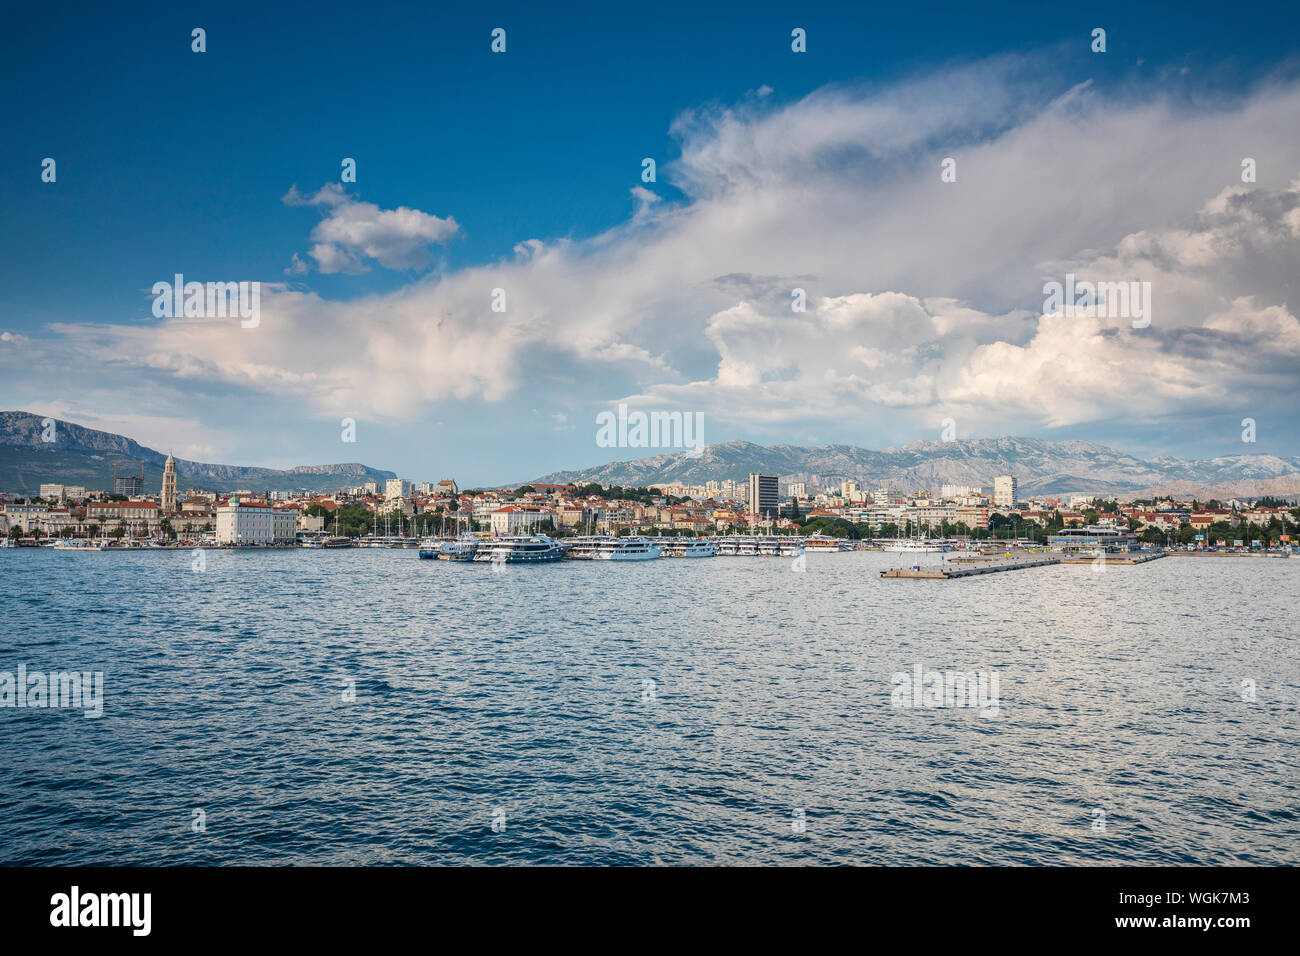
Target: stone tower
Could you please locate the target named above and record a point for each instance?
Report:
(169, 486)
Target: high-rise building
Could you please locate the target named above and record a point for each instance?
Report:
(796, 489)
(1004, 491)
(128, 485)
(169, 486)
(397, 488)
(764, 496)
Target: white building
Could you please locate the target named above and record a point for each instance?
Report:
(248, 523)
(519, 519)
(1004, 491)
(795, 489)
(397, 488)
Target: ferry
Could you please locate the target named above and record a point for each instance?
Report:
(610, 548)
(519, 549)
(687, 547)
(770, 546)
(821, 542)
(336, 541)
(920, 546)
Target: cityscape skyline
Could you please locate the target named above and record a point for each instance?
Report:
(1238, 467)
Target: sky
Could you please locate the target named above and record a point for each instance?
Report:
(775, 170)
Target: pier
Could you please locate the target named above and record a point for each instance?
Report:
(1134, 557)
(965, 566)
(970, 566)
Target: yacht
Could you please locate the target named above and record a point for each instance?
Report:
(519, 549)
(687, 547)
(610, 548)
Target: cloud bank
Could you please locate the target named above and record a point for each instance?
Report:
(924, 297)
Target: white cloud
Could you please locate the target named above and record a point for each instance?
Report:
(923, 296)
(354, 231)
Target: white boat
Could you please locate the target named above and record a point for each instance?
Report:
(920, 546)
(769, 546)
(77, 544)
(610, 548)
(687, 547)
(519, 549)
(457, 549)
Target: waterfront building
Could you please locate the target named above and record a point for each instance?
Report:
(128, 511)
(249, 522)
(28, 517)
(519, 519)
(1093, 538)
(1005, 489)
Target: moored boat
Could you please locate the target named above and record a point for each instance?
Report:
(611, 548)
(519, 549)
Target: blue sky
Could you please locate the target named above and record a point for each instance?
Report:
(772, 165)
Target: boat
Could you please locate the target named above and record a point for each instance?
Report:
(77, 544)
(519, 549)
(452, 549)
(920, 546)
(822, 542)
(610, 548)
(687, 547)
(768, 546)
(336, 541)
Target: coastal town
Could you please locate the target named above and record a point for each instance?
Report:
(401, 512)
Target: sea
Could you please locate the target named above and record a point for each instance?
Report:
(342, 707)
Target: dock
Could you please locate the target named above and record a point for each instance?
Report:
(965, 566)
(971, 566)
(1120, 558)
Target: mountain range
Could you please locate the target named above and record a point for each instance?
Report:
(1040, 467)
(85, 456)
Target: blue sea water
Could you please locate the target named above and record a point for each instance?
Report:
(711, 711)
